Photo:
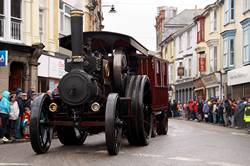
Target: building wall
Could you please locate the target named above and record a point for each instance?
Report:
(186, 52)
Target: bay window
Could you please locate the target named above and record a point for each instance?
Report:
(246, 40)
(228, 48)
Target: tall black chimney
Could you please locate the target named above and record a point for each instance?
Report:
(76, 32)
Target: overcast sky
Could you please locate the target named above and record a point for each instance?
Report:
(137, 17)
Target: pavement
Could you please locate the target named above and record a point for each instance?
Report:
(16, 141)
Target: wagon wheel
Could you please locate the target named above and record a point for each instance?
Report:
(163, 124)
(132, 134)
(119, 70)
(71, 135)
(40, 133)
(144, 111)
(113, 125)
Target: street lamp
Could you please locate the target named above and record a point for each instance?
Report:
(112, 8)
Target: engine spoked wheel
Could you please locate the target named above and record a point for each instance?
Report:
(69, 135)
(132, 133)
(40, 133)
(119, 70)
(144, 115)
(113, 124)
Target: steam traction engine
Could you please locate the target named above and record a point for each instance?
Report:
(112, 85)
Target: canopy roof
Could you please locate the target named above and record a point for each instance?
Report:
(106, 41)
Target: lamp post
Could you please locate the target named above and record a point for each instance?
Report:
(112, 8)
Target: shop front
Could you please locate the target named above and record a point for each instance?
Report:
(239, 81)
(212, 83)
(20, 68)
(184, 91)
(200, 90)
(50, 71)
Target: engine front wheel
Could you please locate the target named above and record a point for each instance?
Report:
(40, 133)
(113, 124)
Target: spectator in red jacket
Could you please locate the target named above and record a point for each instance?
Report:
(196, 104)
(191, 109)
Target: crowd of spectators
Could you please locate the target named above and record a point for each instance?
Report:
(229, 113)
(15, 111)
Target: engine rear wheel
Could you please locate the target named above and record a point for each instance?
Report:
(163, 124)
(144, 115)
(71, 135)
(40, 133)
(132, 133)
(113, 124)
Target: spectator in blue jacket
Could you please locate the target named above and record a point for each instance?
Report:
(4, 114)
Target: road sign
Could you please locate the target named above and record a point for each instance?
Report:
(3, 58)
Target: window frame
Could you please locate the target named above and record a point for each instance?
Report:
(229, 11)
(229, 56)
(189, 39)
(2, 18)
(62, 18)
(246, 6)
(246, 45)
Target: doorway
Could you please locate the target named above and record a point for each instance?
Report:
(16, 76)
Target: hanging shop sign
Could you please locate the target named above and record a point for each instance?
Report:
(180, 71)
(3, 58)
(202, 64)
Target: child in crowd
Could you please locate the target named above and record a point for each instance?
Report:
(26, 122)
(13, 116)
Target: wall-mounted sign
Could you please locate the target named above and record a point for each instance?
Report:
(202, 64)
(239, 76)
(3, 58)
(180, 71)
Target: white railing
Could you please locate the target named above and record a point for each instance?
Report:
(1, 26)
(16, 29)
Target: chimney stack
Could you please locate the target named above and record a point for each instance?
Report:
(76, 32)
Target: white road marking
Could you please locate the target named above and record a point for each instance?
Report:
(147, 155)
(14, 164)
(104, 151)
(224, 164)
(241, 134)
(185, 159)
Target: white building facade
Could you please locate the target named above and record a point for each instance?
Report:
(185, 44)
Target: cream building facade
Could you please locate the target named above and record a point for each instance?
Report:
(235, 36)
(168, 53)
(208, 83)
(29, 34)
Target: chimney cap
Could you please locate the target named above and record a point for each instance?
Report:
(76, 13)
